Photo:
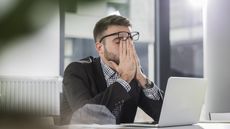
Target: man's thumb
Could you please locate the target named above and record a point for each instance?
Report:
(113, 65)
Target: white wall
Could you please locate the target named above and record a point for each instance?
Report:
(81, 24)
(142, 19)
(36, 54)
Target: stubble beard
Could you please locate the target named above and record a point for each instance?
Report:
(111, 57)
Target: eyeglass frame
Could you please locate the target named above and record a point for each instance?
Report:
(117, 33)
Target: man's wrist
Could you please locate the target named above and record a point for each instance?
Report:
(144, 81)
(125, 77)
(141, 78)
(148, 84)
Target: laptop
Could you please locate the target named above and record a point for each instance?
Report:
(183, 101)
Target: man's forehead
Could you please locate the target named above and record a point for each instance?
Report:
(117, 28)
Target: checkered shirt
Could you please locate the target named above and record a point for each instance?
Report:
(111, 76)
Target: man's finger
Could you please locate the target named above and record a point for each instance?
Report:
(129, 51)
(121, 51)
(132, 51)
(124, 47)
(136, 56)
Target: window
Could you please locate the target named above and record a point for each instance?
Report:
(186, 38)
(78, 48)
(79, 25)
(122, 7)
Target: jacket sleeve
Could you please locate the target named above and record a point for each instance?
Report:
(78, 90)
(150, 106)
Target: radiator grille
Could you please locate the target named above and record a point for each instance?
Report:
(36, 95)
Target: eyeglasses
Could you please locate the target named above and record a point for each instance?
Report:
(123, 35)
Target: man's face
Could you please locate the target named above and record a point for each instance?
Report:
(111, 43)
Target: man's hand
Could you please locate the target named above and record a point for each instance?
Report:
(140, 76)
(127, 63)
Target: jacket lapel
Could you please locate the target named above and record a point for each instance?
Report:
(99, 76)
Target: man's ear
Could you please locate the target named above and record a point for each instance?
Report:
(99, 48)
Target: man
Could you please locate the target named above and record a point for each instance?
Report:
(115, 79)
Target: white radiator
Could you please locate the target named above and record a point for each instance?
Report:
(35, 95)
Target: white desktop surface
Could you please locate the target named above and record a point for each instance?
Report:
(197, 126)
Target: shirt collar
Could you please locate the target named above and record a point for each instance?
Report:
(108, 72)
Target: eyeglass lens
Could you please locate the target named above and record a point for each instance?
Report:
(125, 35)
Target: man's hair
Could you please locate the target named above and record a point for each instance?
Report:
(103, 24)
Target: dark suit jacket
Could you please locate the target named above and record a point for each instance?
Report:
(84, 83)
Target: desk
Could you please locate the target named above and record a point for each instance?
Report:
(197, 126)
